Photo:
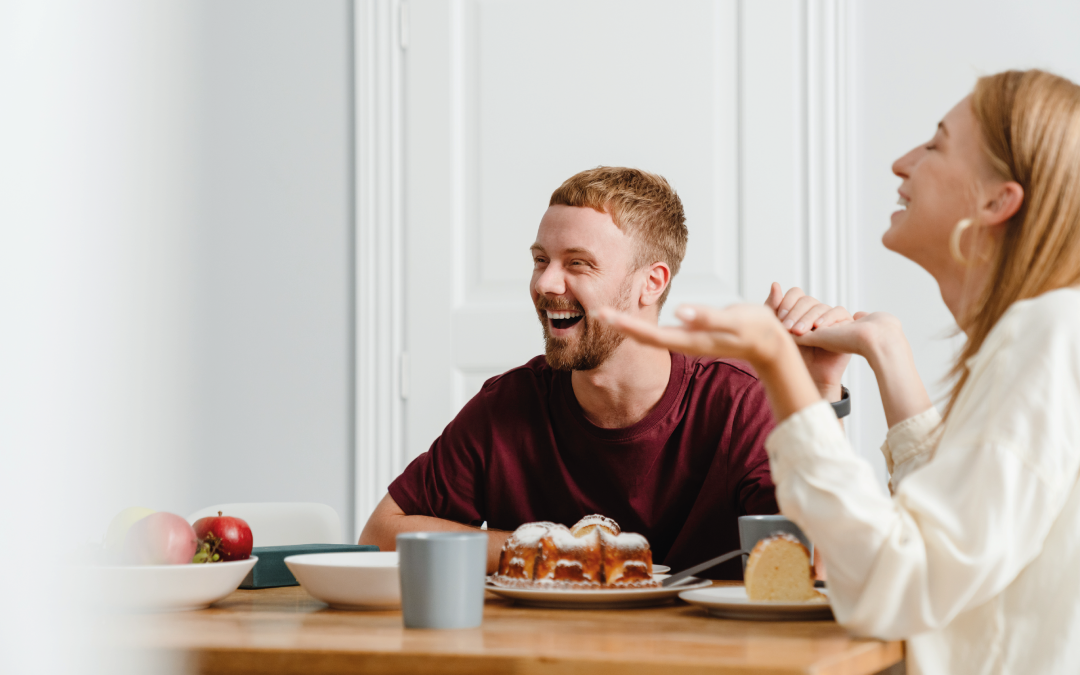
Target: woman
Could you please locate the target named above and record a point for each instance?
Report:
(975, 558)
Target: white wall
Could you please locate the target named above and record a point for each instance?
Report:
(187, 258)
(175, 218)
(272, 247)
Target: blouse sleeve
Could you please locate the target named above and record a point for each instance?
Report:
(910, 444)
(963, 524)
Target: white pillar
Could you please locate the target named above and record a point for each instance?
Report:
(96, 202)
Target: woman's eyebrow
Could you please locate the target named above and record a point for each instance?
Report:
(941, 125)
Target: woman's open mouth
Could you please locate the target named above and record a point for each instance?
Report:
(564, 319)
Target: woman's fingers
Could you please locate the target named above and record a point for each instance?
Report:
(841, 338)
(859, 315)
(834, 315)
(733, 331)
(685, 340)
(648, 333)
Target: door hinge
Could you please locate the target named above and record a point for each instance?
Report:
(403, 372)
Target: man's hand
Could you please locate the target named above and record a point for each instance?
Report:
(801, 314)
(388, 521)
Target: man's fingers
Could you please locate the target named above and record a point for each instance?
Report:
(859, 315)
(798, 310)
(809, 319)
(776, 295)
(790, 298)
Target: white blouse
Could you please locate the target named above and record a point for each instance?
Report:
(975, 559)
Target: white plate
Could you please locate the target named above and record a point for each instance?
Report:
(730, 602)
(660, 569)
(350, 580)
(162, 588)
(609, 598)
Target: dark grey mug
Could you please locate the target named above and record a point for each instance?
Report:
(753, 529)
(442, 578)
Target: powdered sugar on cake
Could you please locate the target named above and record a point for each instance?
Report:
(596, 521)
(564, 540)
(627, 541)
(529, 534)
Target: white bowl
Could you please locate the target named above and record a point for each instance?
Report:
(163, 588)
(351, 580)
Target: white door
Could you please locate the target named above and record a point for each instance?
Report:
(503, 101)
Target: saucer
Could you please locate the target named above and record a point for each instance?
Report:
(730, 602)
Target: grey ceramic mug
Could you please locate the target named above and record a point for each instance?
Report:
(753, 529)
(442, 578)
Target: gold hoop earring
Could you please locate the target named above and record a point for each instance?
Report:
(954, 240)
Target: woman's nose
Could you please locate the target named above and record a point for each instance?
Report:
(902, 166)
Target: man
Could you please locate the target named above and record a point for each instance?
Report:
(671, 447)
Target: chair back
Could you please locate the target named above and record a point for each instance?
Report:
(282, 523)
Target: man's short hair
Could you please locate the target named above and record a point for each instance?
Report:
(641, 204)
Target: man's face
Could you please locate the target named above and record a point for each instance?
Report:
(581, 261)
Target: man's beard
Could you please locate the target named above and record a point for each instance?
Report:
(596, 343)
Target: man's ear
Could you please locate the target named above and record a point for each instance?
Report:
(657, 278)
(1002, 203)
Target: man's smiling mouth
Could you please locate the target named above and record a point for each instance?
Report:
(563, 319)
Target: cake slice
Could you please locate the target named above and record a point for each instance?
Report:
(779, 569)
(518, 557)
(627, 560)
(564, 557)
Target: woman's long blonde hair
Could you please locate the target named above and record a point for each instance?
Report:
(1030, 123)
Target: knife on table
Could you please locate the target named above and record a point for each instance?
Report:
(676, 578)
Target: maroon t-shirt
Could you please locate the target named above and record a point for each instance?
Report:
(522, 450)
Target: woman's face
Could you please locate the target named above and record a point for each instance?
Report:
(939, 188)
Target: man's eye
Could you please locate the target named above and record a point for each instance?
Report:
(931, 146)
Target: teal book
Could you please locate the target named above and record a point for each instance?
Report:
(270, 571)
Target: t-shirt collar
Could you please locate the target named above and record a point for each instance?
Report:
(680, 366)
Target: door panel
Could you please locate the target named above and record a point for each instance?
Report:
(496, 117)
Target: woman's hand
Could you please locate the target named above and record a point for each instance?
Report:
(878, 338)
(745, 332)
(867, 335)
(748, 332)
(802, 315)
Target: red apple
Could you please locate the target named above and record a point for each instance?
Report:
(222, 538)
(159, 539)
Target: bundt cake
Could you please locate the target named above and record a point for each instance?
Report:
(594, 553)
(779, 569)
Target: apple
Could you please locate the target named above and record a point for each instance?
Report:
(159, 539)
(119, 526)
(222, 538)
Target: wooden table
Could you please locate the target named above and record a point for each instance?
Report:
(284, 631)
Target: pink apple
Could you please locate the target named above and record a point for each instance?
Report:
(160, 539)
